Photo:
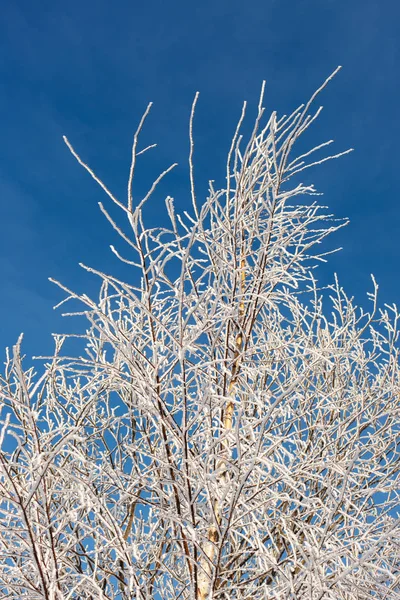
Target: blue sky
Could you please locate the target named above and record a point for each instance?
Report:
(88, 69)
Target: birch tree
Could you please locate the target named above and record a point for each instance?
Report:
(230, 430)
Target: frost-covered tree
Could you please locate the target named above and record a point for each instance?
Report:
(231, 431)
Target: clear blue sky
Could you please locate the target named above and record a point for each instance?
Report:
(87, 69)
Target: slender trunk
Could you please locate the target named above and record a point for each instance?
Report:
(210, 548)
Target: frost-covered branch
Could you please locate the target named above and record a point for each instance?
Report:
(230, 431)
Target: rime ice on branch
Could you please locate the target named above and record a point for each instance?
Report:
(230, 431)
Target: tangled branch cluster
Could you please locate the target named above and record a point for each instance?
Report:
(230, 432)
